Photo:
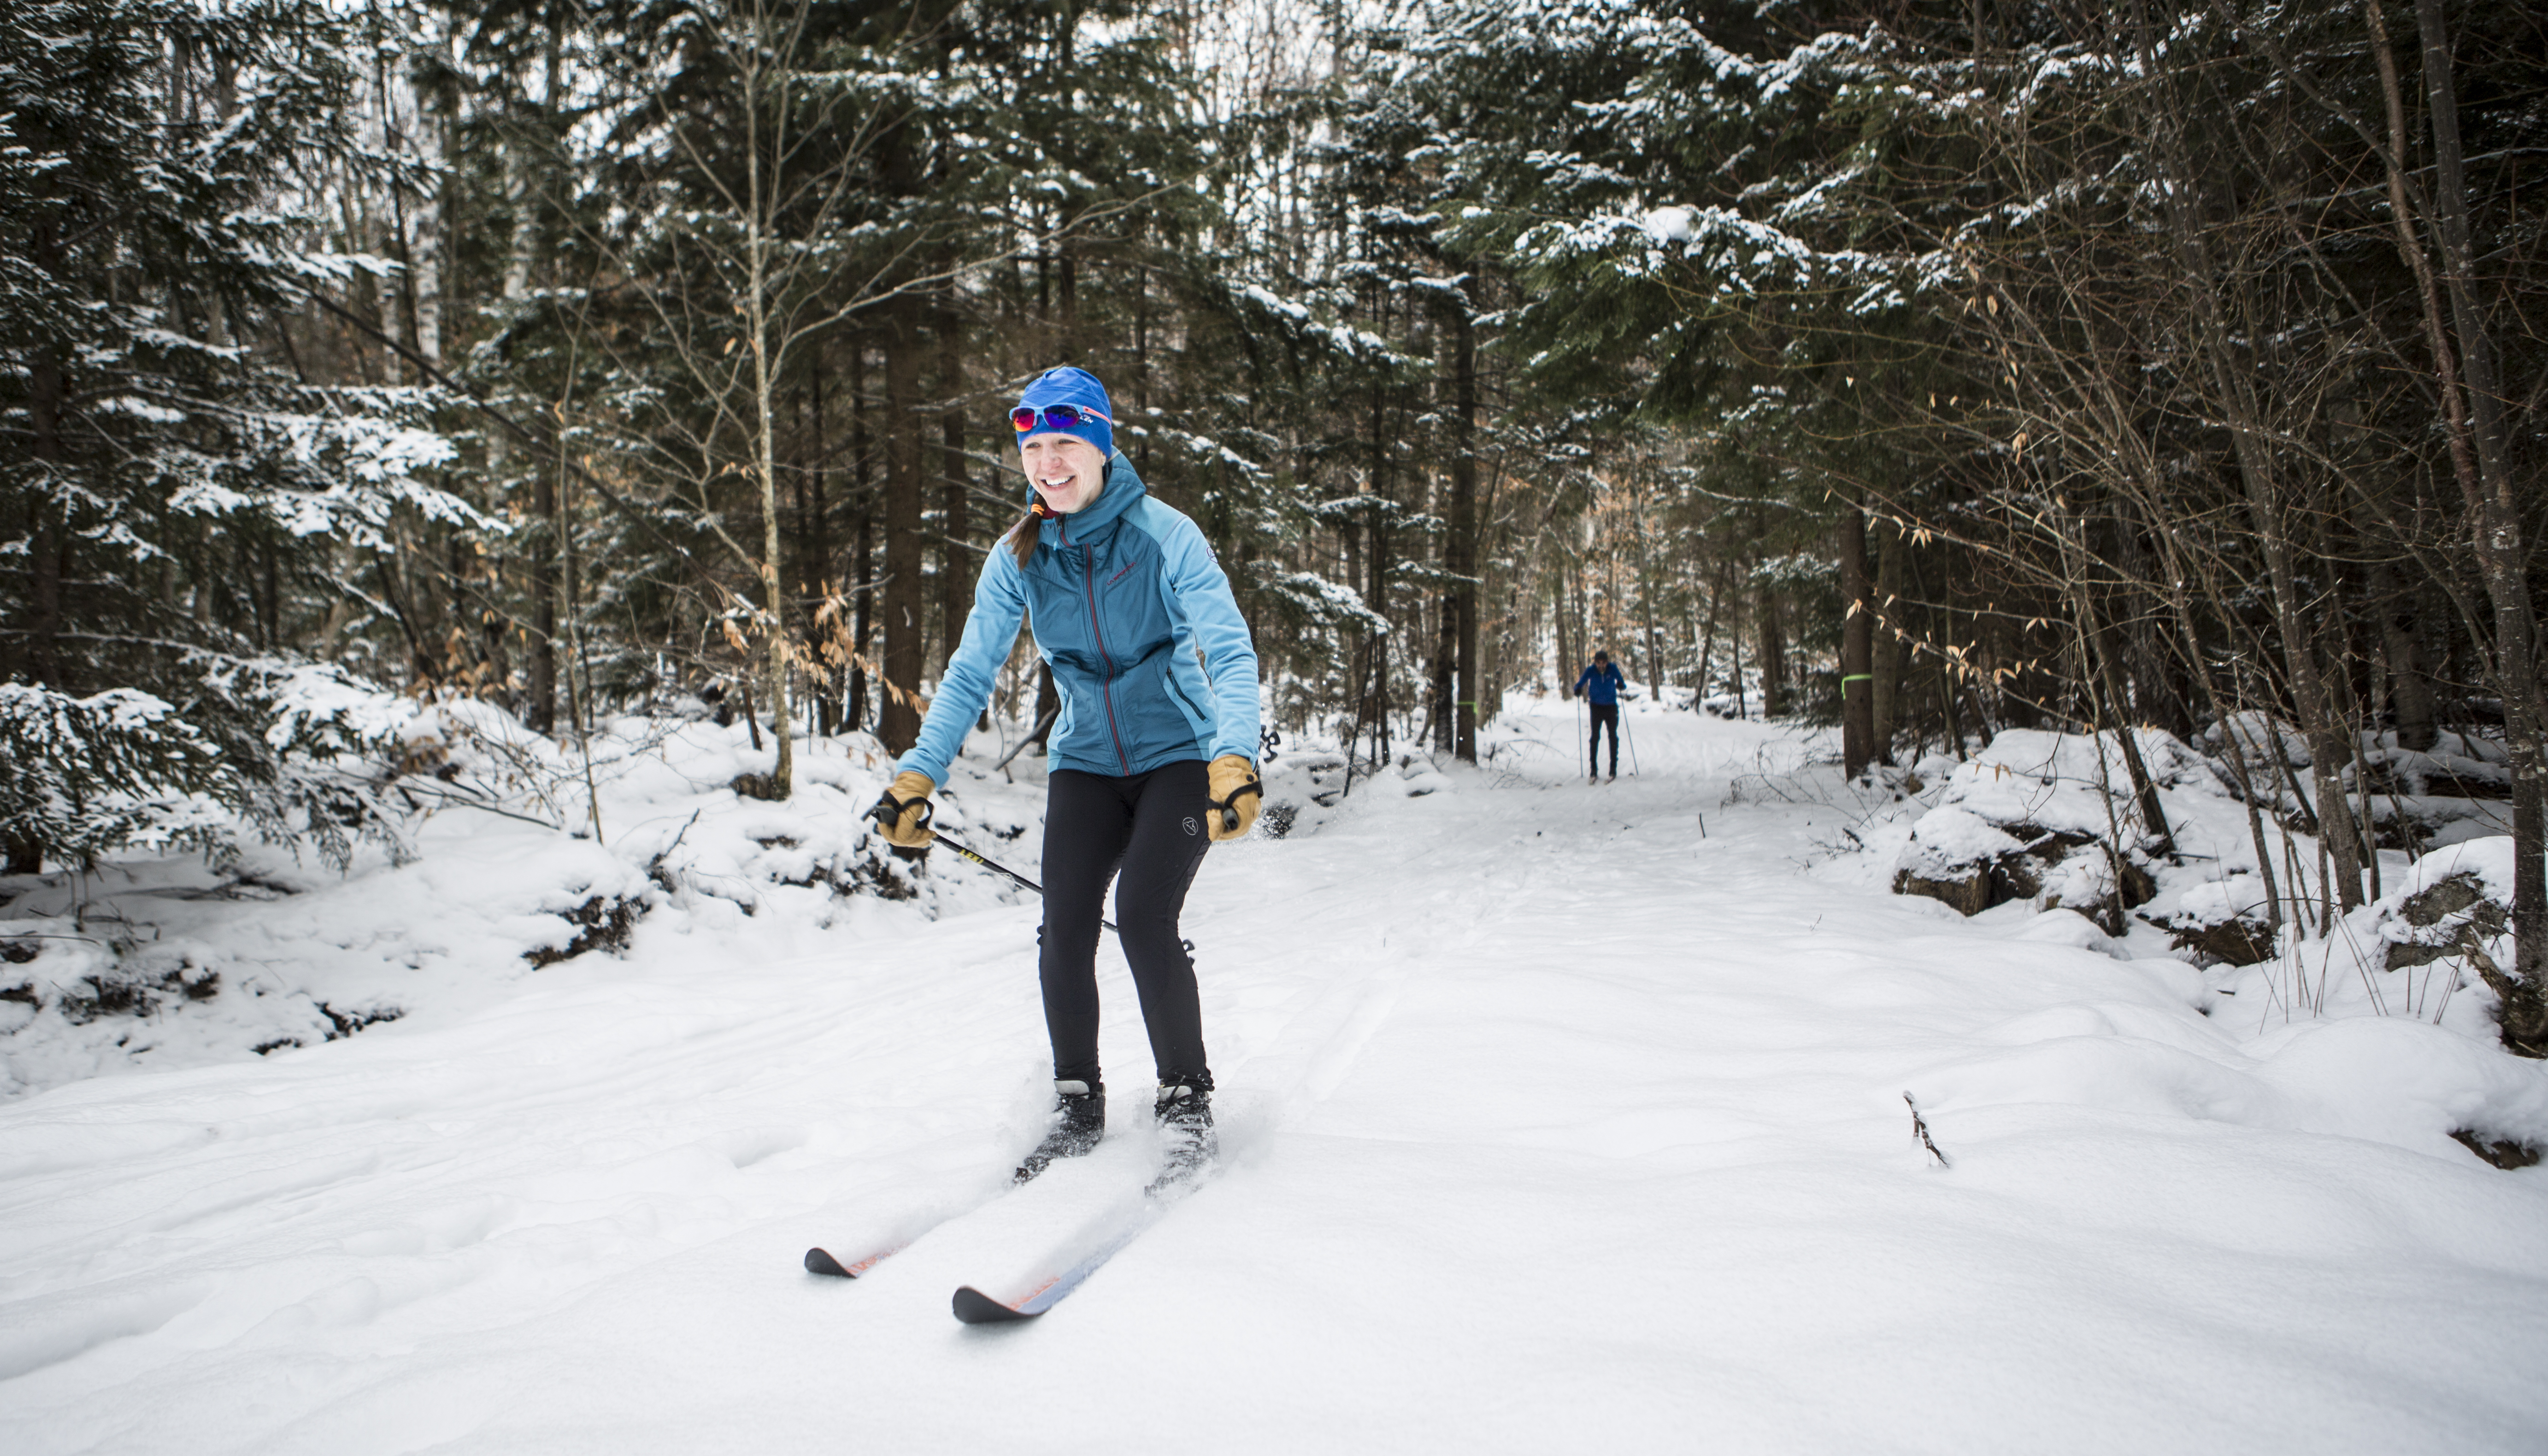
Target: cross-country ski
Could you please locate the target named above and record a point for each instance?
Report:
(820, 1260)
(1043, 1290)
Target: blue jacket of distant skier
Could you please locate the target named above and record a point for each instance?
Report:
(1130, 607)
(1600, 684)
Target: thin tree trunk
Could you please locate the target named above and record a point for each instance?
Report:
(905, 607)
(1774, 655)
(1655, 684)
(1857, 645)
(1707, 642)
(1887, 695)
(957, 567)
(863, 564)
(48, 389)
(1568, 661)
(2105, 687)
(544, 589)
(764, 392)
(1461, 542)
(521, 260)
(1734, 649)
(815, 568)
(39, 661)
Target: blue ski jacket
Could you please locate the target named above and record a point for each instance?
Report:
(1601, 685)
(1130, 608)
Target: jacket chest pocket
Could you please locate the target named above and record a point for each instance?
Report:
(1135, 622)
(1059, 601)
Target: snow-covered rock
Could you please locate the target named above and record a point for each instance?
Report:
(2222, 922)
(2262, 740)
(2447, 896)
(2037, 816)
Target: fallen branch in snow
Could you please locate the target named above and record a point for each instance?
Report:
(1920, 1134)
(1019, 746)
(467, 800)
(655, 867)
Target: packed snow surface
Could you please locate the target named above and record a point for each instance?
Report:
(1557, 1117)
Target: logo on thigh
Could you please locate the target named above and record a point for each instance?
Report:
(1191, 827)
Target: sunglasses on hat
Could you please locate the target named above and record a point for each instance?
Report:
(1053, 417)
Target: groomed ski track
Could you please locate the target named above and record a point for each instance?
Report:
(1550, 1126)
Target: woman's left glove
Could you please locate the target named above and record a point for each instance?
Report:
(1236, 794)
(902, 812)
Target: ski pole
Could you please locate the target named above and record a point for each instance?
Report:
(995, 866)
(989, 864)
(1579, 731)
(1632, 740)
(928, 812)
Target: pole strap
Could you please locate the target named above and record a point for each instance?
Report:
(1228, 807)
(1856, 677)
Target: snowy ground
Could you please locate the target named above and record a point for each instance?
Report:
(1553, 1124)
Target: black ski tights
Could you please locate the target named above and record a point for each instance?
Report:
(1605, 714)
(1151, 825)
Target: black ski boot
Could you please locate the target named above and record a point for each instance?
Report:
(1078, 1125)
(1187, 1142)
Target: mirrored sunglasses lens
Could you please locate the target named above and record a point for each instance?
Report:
(1053, 416)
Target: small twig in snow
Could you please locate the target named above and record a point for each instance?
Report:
(507, 813)
(1920, 1134)
(655, 870)
(1019, 746)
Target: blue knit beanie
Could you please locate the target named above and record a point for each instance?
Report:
(1068, 386)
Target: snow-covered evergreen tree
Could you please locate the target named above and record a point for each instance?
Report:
(173, 491)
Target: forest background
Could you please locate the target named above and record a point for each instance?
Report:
(1931, 369)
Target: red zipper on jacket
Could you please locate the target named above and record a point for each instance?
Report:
(1105, 687)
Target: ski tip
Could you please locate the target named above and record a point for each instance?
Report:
(820, 1261)
(976, 1307)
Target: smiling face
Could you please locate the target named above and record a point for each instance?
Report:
(1065, 469)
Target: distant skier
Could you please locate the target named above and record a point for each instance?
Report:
(1600, 685)
(1150, 759)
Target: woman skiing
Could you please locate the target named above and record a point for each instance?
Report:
(1150, 759)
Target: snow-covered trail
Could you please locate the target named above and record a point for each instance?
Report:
(1552, 1125)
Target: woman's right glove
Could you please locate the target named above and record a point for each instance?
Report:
(902, 811)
